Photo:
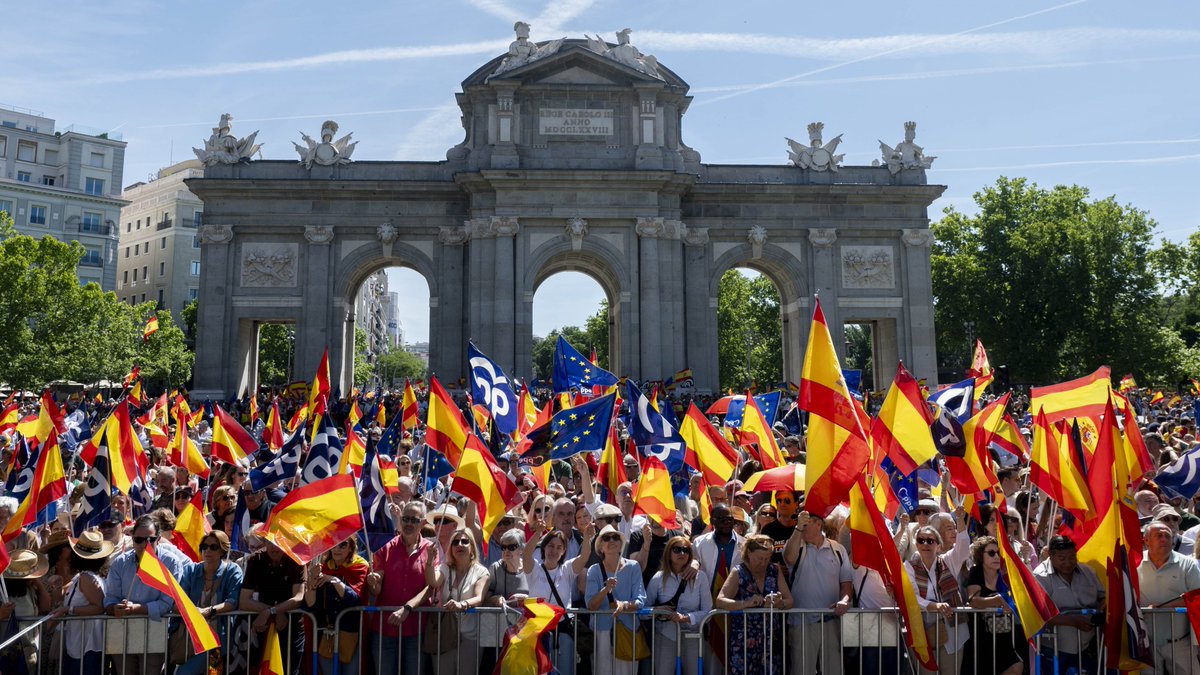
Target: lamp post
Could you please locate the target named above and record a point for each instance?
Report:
(291, 340)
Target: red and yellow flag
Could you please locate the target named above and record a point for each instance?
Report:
(973, 472)
(190, 528)
(50, 420)
(9, 417)
(185, 453)
(318, 393)
(1084, 397)
(612, 465)
(316, 517)
(381, 414)
(408, 406)
(273, 431)
(388, 475)
(354, 453)
(298, 419)
(124, 449)
(654, 497)
(272, 656)
(707, 450)
(754, 431)
(979, 362)
(524, 650)
(49, 484)
(1033, 605)
(837, 444)
(230, 440)
(901, 430)
(1053, 467)
(151, 327)
(1157, 398)
(446, 429)
(154, 574)
(355, 413)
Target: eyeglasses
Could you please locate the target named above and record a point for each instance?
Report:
(767, 514)
(680, 550)
(608, 519)
(142, 540)
(209, 547)
(463, 543)
(610, 537)
(509, 548)
(243, 473)
(923, 512)
(992, 553)
(541, 510)
(410, 520)
(1171, 519)
(228, 498)
(926, 541)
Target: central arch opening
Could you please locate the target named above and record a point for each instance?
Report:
(391, 318)
(576, 306)
(749, 331)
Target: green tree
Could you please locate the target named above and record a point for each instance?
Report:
(596, 331)
(1053, 282)
(861, 356)
(275, 345)
(164, 358)
(188, 317)
(397, 364)
(749, 331)
(1177, 266)
(364, 370)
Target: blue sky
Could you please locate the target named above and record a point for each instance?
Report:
(1094, 92)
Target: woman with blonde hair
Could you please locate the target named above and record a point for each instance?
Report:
(682, 606)
(213, 585)
(755, 646)
(463, 582)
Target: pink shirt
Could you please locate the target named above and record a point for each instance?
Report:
(403, 578)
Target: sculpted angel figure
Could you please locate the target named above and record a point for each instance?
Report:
(907, 154)
(816, 156)
(327, 152)
(222, 147)
(521, 51)
(625, 53)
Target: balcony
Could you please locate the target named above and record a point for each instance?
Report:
(96, 228)
(91, 259)
(163, 224)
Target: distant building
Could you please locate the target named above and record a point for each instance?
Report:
(421, 349)
(65, 184)
(159, 256)
(369, 314)
(391, 314)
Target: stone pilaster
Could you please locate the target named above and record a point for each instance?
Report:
(922, 346)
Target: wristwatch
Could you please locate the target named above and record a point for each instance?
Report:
(274, 610)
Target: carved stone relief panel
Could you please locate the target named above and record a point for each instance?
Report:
(868, 267)
(268, 265)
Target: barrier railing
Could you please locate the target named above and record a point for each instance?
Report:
(752, 641)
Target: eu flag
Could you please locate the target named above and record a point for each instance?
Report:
(572, 369)
(572, 431)
(768, 403)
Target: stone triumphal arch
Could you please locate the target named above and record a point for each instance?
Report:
(573, 159)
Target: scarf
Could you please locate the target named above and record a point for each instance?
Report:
(948, 589)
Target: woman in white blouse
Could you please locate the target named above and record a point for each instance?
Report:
(553, 580)
(683, 606)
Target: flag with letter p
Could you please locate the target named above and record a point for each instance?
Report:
(491, 387)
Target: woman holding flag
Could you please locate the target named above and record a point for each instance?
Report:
(335, 584)
(553, 580)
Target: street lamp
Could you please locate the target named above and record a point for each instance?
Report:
(291, 339)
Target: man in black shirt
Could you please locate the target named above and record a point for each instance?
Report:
(787, 505)
(646, 546)
(273, 586)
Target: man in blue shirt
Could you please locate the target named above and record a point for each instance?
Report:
(135, 645)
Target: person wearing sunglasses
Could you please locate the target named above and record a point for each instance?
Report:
(213, 585)
(818, 569)
(682, 605)
(333, 585)
(995, 638)
(553, 579)
(463, 582)
(938, 592)
(507, 588)
(401, 563)
(615, 584)
(272, 586)
(141, 640)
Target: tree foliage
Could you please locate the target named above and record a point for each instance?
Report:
(396, 365)
(275, 344)
(364, 370)
(749, 331)
(55, 329)
(1054, 282)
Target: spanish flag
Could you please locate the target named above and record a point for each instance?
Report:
(446, 430)
(973, 473)
(123, 448)
(9, 417)
(1128, 383)
(49, 484)
(185, 453)
(191, 527)
(158, 436)
(901, 431)
(755, 431)
(408, 406)
(298, 418)
(136, 397)
(524, 650)
(316, 517)
(318, 393)
(151, 327)
(49, 421)
(1084, 397)
(272, 656)
(1054, 467)
(154, 574)
(707, 451)
(253, 409)
(230, 440)
(612, 466)
(1157, 398)
(381, 413)
(979, 363)
(355, 413)
(273, 432)
(353, 454)
(838, 449)
(1025, 595)
(654, 498)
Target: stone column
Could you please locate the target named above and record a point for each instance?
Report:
(320, 325)
(650, 333)
(672, 297)
(447, 343)
(825, 283)
(918, 308)
(214, 376)
(700, 318)
(504, 285)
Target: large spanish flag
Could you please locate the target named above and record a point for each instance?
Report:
(230, 440)
(185, 453)
(973, 472)
(49, 484)
(524, 650)
(1027, 596)
(446, 429)
(1053, 467)
(408, 406)
(1084, 397)
(316, 517)
(191, 527)
(838, 449)
(654, 498)
(154, 574)
(273, 432)
(901, 431)
(123, 448)
(707, 450)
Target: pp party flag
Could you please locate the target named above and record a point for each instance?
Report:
(524, 650)
(901, 430)
(707, 450)
(1083, 397)
(573, 370)
(324, 454)
(872, 546)
(572, 431)
(408, 406)
(979, 362)
(1181, 478)
(97, 496)
(837, 444)
(654, 497)
(273, 431)
(314, 518)
(1054, 467)
(972, 472)
(957, 399)
(230, 440)
(756, 431)
(272, 655)
(282, 467)
(318, 393)
(445, 428)
(1026, 596)
(190, 527)
(378, 528)
(151, 327)
(491, 388)
(650, 431)
(152, 572)
(185, 453)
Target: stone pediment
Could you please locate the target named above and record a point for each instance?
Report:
(575, 63)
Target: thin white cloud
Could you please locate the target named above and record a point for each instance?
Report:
(497, 9)
(1080, 162)
(293, 117)
(1090, 144)
(436, 133)
(559, 12)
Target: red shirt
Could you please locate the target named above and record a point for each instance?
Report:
(403, 578)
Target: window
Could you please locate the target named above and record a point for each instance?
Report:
(139, 223)
(195, 241)
(3, 146)
(146, 272)
(91, 221)
(143, 297)
(193, 293)
(6, 206)
(164, 244)
(129, 227)
(197, 217)
(98, 159)
(47, 180)
(37, 215)
(126, 279)
(94, 186)
(27, 151)
(160, 297)
(24, 176)
(51, 157)
(162, 268)
(126, 251)
(135, 275)
(195, 268)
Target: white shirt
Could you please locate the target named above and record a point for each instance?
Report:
(706, 551)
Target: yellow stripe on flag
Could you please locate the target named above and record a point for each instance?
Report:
(155, 575)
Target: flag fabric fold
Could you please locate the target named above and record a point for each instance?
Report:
(524, 650)
(1082, 397)
(155, 574)
(230, 440)
(314, 518)
(901, 430)
(574, 370)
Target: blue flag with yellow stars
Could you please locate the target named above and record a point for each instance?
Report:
(768, 403)
(572, 369)
(572, 431)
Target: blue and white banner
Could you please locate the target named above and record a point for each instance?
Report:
(490, 388)
(282, 467)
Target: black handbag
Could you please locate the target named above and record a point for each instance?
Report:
(585, 639)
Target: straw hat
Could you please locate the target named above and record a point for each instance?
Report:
(447, 511)
(57, 538)
(27, 564)
(92, 545)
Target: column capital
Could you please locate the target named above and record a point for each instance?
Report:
(822, 237)
(210, 233)
(917, 238)
(453, 236)
(695, 236)
(319, 234)
(650, 228)
(504, 226)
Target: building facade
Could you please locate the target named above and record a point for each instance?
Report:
(65, 184)
(370, 314)
(159, 255)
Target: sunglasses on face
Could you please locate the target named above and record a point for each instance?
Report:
(228, 498)
(991, 553)
(243, 473)
(509, 548)
(767, 514)
(404, 462)
(462, 543)
(410, 520)
(541, 510)
(610, 537)
(680, 550)
(143, 540)
(608, 520)
(209, 547)
(926, 541)
(442, 522)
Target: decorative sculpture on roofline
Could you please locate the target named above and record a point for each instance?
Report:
(222, 147)
(625, 53)
(522, 51)
(815, 156)
(906, 154)
(327, 152)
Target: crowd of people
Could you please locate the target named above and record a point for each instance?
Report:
(439, 598)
